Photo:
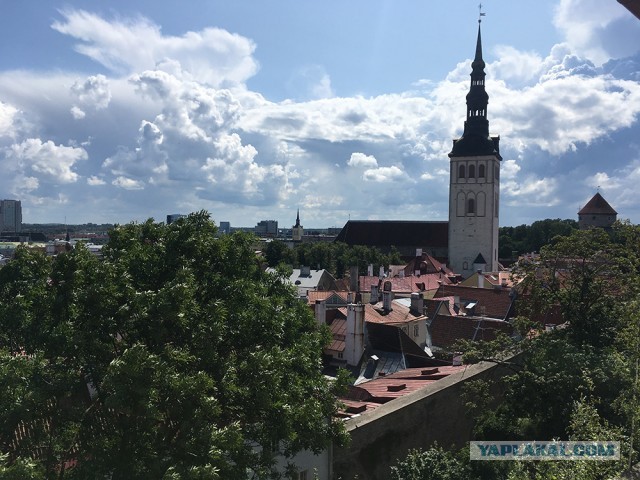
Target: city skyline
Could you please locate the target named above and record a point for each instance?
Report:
(251, 111)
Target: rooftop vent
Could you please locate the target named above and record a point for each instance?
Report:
(396, 388)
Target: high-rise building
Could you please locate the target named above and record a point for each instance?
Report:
(10, 216)
(268, 228)
(174, 217)
(225, 227)
(474, 183)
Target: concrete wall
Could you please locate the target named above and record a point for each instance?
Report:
(384, 436)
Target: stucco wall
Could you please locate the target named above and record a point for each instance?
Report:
(382, 437)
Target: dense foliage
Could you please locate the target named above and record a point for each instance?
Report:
(522, 239)
(579, 382)
(199, 364)
(336, 257)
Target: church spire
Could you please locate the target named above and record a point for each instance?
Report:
(475, 139)
(297, 219)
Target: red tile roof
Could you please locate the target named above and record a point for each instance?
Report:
(312, 296)
(399, 314)
(494, 303)
(408, 284)
(386, 388)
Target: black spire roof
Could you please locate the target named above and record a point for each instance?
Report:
(476, 139)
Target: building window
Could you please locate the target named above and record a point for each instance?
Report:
(496, 172)
(472, 171)
(416, 331)
(302, 475)
(471, 206)
(461, 171)
(340, 355)
(481, 173)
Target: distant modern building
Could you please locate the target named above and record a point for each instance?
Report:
(267, 228)
(225, 227)
(174, 217)
(597, 213)
(10, 216)
(297, 231)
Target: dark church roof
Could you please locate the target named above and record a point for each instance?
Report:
(376, 233)
(632, 5)
(480, 259)
(597, 206)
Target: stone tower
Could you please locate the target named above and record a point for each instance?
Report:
(297, 231)
(597, 213)
(474, 183)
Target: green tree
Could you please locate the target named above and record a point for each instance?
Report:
(434, 463)
(199, 364)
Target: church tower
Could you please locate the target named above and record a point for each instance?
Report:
(474, 183)
(297, 231)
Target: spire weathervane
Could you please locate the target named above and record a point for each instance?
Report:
(482, 14)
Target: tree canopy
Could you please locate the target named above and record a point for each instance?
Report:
(335, 257)
(174, 356)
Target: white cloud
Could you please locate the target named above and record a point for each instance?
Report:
(361, 160)
(94, 181)
(598, 30)
(77, 112)
(212, 55)
(509, 169)
(93, 91)
(7, 116)
(46, 159)
(127, 183)
(383, 174)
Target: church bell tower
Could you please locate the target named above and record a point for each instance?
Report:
(474, 183)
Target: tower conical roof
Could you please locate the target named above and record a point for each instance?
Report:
(597, 206)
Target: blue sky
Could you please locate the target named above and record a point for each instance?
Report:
(253, 109)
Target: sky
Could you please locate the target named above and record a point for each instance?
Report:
(120, 111)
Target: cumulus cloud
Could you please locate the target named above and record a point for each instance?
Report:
(128, 183)
(46, 159)
(126, 46)
(7, 116)
(598, 30)
(361, 160)
(383, 174)
(94, 181)
(93, 94)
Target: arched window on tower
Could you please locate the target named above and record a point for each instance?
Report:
(481, 173)
(471, 206)
(461, 171)
(472, 171)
